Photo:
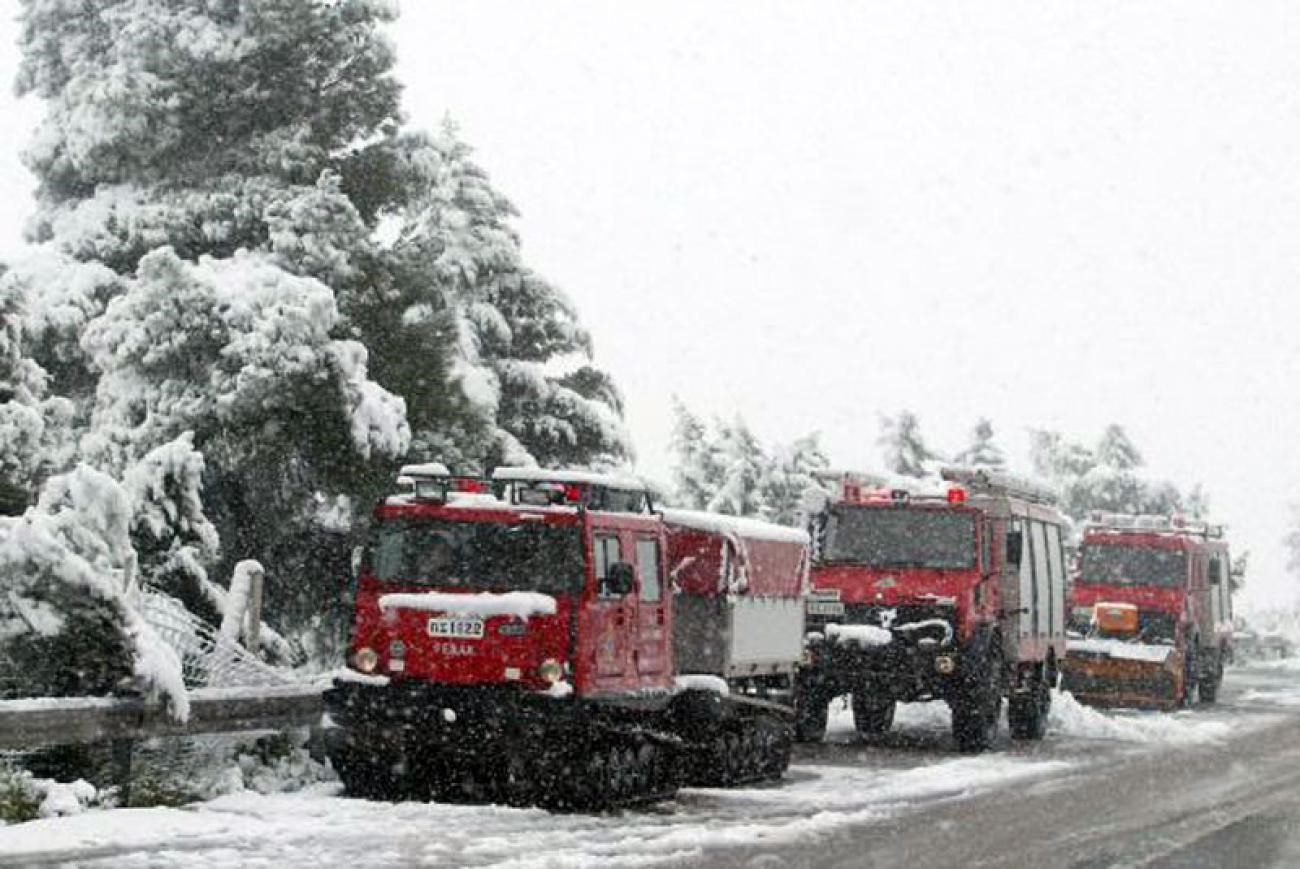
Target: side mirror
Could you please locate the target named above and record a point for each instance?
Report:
(620, 580)
(1015, 547)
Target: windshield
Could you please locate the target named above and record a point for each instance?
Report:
(478, 555)
(1133, 565)
(894, 537)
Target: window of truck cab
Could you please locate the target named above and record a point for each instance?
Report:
(647, 568)
(478, 556)
(605, 551)
(900, 536)
(1132, 564)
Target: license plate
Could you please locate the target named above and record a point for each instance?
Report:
(825, 608)
(460, 628)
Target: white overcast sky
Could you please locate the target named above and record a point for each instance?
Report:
(1055, 215)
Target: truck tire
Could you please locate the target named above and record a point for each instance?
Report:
(811, 712)
(977, 705)
(1190, 678)
(1027, 713)
(1209, 684)
(364, 776)
(872, 715)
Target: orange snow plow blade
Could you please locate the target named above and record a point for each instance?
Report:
(1102, 673)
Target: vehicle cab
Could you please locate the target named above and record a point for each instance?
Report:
(915, 590)
(535, 580)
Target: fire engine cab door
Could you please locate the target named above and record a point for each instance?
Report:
(613, 615)
(653, 638)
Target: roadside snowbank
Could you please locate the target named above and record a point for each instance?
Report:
(1289, 697)
(1071, 718)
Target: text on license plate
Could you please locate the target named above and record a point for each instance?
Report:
(825, 608)
(456, 627)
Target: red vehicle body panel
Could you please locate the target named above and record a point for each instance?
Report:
(759, 567)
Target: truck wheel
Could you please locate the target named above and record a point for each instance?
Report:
(977, 706)
(811, 713)
(872, 715)
(1209, 685)
(1190, 678)
(1027, 713)
(517, 777)
(366, 777)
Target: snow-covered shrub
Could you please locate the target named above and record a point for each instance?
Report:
(20, 800)
(24, 797)
(280, 763)
(67, 625)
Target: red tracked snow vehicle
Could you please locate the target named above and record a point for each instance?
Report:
(524, 645)
(956, 595)
(1151, 613)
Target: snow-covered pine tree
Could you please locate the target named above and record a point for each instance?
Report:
(226, 190)
(900, 441)
(727, 470)
(520, 353)
(191, 167)
(982, 452)
(1116, 450)
(790, 486)
(697, 471)
(743, 464)
(1107, 478)
(1056, 459)
(35, 428)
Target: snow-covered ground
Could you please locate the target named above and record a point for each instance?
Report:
(831, 789)
(317, 827)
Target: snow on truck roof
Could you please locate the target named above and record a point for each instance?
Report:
(717, 523)
(528, 475)
(425, 469)
(1151, 523)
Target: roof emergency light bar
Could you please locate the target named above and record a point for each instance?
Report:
(540, 487)
(432, 481)
(987, 481)
(1101, 520)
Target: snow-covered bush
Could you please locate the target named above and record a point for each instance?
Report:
(67, 625)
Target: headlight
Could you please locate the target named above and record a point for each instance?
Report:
(551, 671)
(366, 660)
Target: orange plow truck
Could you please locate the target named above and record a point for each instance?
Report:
(1151, 613)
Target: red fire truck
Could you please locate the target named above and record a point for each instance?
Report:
(957, 595)
(519, 641)
(1151, 612)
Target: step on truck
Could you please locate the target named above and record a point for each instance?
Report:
(956, 594)
(1151, 612)
(517, 640)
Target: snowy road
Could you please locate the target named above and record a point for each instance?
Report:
(1161, 787)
